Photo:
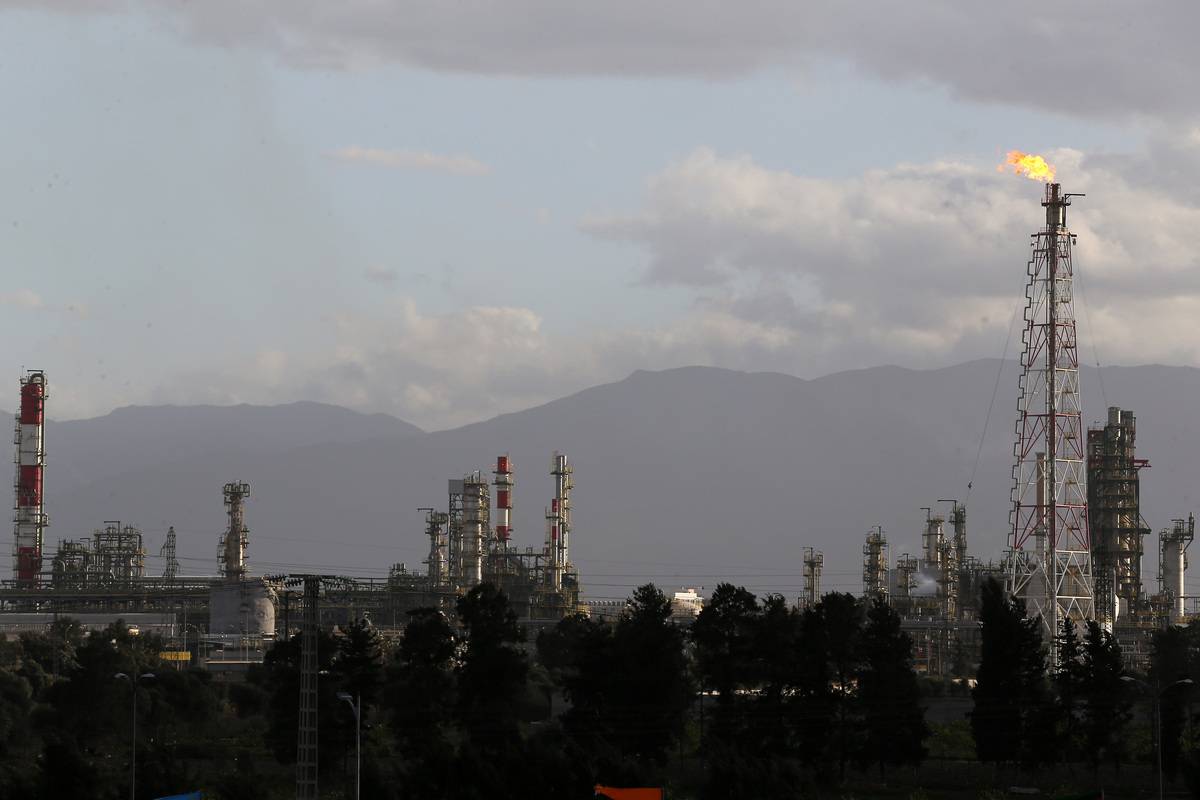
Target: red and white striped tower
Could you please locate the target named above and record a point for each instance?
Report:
(1050, 560)
(29, 522)
(504, 500)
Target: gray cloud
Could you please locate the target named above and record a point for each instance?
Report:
(412, 159)
(920, 264)
(1074, 56)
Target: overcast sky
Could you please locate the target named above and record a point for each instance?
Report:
(448, 210)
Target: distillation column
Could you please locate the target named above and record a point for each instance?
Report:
(29, 522)
(235, 540)
(814, 561)
(875, 564)
(1049, 498)
(558, 522)
(1114, 513)
(475, 504)
(436, 564)
(1172, 564)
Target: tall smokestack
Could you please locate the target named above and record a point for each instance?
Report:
(504, 500)
(29, 522)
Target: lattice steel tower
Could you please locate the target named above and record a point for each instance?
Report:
(1050, 565)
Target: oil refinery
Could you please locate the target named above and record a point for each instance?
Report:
(1074, 549)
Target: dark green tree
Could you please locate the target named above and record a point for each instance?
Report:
(725, 637)
(888, 693)
(17, 747)
(1069, 679)
(280, 676)
(832, 633)
(579, 653)
(776, 650)
(1107, 710)
(419, 694)
(1173, 658)
(493, 670)
(652, 691)
(359, 660)
(1010, 694)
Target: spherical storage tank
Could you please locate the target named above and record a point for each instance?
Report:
(242, 607)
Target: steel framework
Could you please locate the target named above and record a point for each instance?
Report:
(306, 739)
(1114, 511)
(167, 552)
(234, 542)
(875, 564)
(814, 561)
(1050, 564)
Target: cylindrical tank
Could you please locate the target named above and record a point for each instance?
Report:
(243, 607)
(1174, 571)
(474, 520)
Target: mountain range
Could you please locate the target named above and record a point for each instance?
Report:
(684, 477)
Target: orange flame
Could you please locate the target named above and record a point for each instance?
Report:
(1033, 167)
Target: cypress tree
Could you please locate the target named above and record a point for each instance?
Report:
(889, 694)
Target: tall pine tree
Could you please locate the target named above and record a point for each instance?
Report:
(889, 694)
(1069, 687)
(1011, 698)
(1107, 705)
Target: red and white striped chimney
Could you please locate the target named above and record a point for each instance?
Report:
(504, 499)
(30, 519)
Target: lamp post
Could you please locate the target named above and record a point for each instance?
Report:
(1159, 691)
(133, 682)
(356, 706)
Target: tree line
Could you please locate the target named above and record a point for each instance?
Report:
(755, 698)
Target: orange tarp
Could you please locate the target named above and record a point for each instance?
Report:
(629, 794)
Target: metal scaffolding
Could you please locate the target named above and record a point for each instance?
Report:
(875, 564)
(236, 537)
(1049, 562)
(814, 562)
(1114, 513)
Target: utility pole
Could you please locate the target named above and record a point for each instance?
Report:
(133, 682)
(356, 706)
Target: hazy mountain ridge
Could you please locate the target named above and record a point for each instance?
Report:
(682, 475)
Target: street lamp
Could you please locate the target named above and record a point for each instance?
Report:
(1159, 691)
(133, 682)
(356, 706)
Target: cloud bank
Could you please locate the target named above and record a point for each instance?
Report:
(919, 264)
(1075, 56)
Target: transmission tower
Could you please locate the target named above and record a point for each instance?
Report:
(306, 740)
(1050, 560)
